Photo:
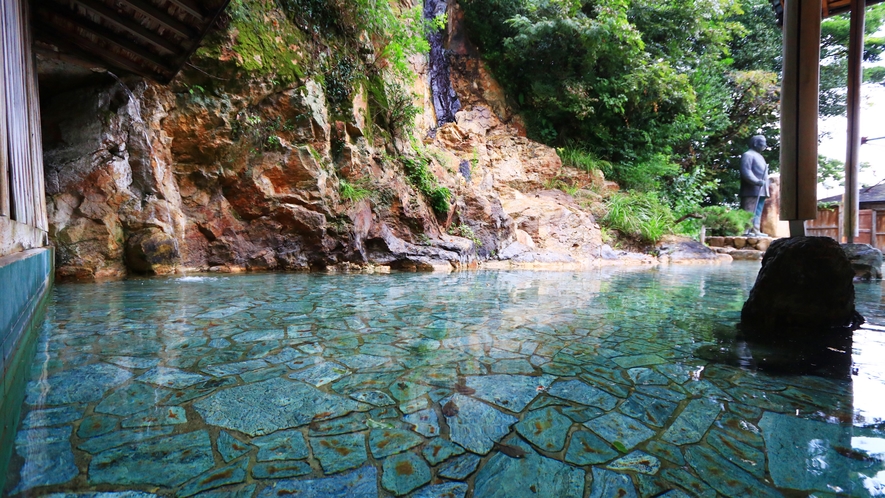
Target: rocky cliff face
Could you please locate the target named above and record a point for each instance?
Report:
(262, 176)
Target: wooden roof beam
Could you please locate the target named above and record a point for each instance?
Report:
(191, 8)
(130, 26)
(149, 10)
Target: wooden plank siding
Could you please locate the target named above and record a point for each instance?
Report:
(22, 197)
(871, 225)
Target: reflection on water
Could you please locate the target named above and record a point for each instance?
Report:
(617, 382)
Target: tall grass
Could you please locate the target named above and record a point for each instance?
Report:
(639, 215)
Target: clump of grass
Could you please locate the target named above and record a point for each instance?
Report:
(640, 215)
(578, 158)
(352, 193)
(423, 180)
(464, 230)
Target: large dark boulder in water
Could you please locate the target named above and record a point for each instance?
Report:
(805, 286)
(865, 259)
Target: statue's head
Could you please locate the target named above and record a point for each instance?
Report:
(758, 143)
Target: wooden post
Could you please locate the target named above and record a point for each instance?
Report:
(799, 113)
(855, 79)
(4, 144)
(873, 220)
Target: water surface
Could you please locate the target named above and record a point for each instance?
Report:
(478, 384)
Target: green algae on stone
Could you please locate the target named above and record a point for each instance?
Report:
(361, 482)
(281, 445)
(404, 472)
(337, 453)
(386, 442)
(166, 462)
(439, 450)
(545, 428)
(230, 447)
(503, 476)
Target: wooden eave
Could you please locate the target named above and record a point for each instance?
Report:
(150, 38)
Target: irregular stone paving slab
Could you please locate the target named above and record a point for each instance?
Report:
(404, 391)
(404, 472)
(304, 361)
(282, 445)
(263, 374)
(706, 389)
(579, 392)
(51, 417)
(674, 493)
(268, 406)
(361, 482)
(321, 373)
(444, 490)
(666, 451)
(100, 494)
(477, 426)
(386, 442)
(133, 362)
(515, 366)
(439, 450)
(84, 384)
(662, 393)
(607, 483)
(337, 453)
(652, 411)
(280, 469)
(460, 467)
(198, 390)
(96, 425)
(587, 448)
(545, 428)
(362, 361)
(166, 462)
(160, 415)
(738, 428)
(260, 335)
(728, 478)
(286, 355)
(677, 372)
(342, 425)
(790, 439)
(647, 376)
(639, 360)
(364, 381)
(119, 438)
(424, 422)
(742, 455)
(414, 405)
(237, 368)
(171, 377)
(637, 461)
(503, 476)
(511, 392)
(560, 369)
(231, 492)
(216, 478)
(132, 399)
(694, 421)
(376, 398)
(230, 447)
(312, 348)
(623, 432)
(692, 484)
(48, 458)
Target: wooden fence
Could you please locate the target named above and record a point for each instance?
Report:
(871, 226)
(22, 197)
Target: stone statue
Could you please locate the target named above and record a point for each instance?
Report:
(754, 182)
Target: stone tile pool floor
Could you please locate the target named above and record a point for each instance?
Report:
(510, 384)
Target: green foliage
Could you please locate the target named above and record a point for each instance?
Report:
(464, 230)
(722, 221)
(260, 131)
(830, 170)
(265, 43)
(391, 105)
(422, 179)
(639, 215)
(351, 192)
(577, 157)
(829, 206)
(561, 183)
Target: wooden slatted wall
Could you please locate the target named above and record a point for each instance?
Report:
(22, 196)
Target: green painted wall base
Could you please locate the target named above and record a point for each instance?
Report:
(25, 282)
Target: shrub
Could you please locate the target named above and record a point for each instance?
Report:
(423, 180)
(639, 215)
(722, 221)
(350, 192)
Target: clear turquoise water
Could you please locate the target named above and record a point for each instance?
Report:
(510, 384)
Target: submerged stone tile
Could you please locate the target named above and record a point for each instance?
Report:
(545, 428)
(361, 482)
(198, 390)
(285, 355)
(439, 450)
(364, 382)
(662, 393)
(362, 361)
(581, 414)
(639, 360)
(404, 391)
(171, 377)
(280, 469)
(666, 451)
(706, 389)
(84, 384)
(133, 362)
(623, 432)
(321, 373)
(511, 392)
(607, 483)
(404, 472)
(580, 392)
(444, 490)
(476, 426)
(727, 478)
(586, 448)
(166, 462)
(119, 438)
(677, 372)
(512, 366)
(694, 421)
(337, 453)
(376, 398)
(460, 467)
(230, 447)
(237, 368)
(260, 335)
(424, 422)
(647, 376)
(341, 425)
(652, 411)
(281, 445)
(96, 425)
(414, 405)
(51, 417)
(48, 457)
(386, 442)
(264, 407)
(743, 455)
(216, 478)
(160, 415)
(560, 369)
(503, 476)
(132, 399)
(263, 374)
(689, 482)
(637, 461)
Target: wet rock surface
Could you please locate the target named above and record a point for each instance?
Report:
(865, 259)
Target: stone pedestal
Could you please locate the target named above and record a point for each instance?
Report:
(771, 223)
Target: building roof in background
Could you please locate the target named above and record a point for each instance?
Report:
(829, 8)
(150, 38)
(873, 194)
